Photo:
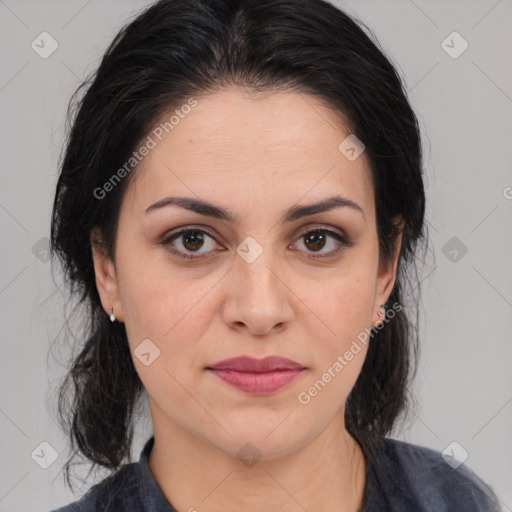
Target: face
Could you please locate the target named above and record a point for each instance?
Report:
(255, 284)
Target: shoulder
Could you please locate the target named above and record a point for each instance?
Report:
(429, 482)
(111, 494)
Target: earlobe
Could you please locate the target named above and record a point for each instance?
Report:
(105, 275)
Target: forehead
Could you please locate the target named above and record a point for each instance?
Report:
(240, 148)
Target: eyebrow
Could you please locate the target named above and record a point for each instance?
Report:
(292, 214)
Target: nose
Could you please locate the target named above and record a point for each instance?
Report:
(258, 297)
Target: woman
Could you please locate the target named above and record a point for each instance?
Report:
(240, 204)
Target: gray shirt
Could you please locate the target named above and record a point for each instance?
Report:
(403, 478)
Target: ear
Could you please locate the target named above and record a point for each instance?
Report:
(105, 273)
(386, 277)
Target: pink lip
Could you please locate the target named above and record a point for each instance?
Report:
(257, 376)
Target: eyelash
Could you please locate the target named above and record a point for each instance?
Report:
(166, 241)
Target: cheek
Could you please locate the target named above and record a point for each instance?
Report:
(175, 311)
(167, 308)
(341, 349)
(345, 305)
(157, 300)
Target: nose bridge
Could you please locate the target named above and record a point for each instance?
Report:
(259, 297)
(258, 265)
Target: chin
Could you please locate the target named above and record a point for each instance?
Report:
(250, 440)
(249, 450)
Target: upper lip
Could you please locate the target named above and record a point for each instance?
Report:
(251, 364)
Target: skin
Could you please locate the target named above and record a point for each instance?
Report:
(256, 156)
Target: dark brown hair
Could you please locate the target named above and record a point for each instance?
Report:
(177, 49)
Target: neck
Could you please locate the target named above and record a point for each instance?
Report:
(328, 474)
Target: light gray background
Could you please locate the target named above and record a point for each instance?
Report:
(464, 105)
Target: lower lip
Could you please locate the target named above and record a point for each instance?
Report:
(257, 383)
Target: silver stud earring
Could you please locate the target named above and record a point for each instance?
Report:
(381, 314)
(112, 316)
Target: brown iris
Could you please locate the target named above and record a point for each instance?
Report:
(316, 240)
(193, 240)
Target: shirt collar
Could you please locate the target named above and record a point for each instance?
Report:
(152, 495)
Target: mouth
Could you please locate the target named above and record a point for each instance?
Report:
(257, 376)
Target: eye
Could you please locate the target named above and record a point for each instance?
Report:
(316, 239)
(189, 240)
